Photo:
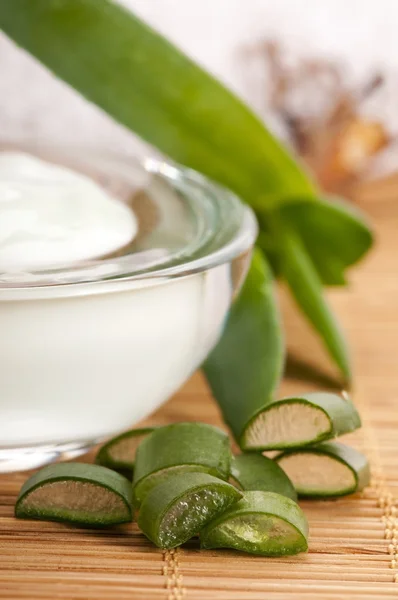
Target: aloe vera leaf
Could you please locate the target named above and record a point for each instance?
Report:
(300, 421)
(121, 64)
(119, 452)
(306, 288)
(180, 448)
(327, 469)
(88, 495)
(245, 367)
(253, 471)
(334, 233)
(263, 523)
(178, 508)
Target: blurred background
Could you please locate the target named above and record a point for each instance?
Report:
(324, 78)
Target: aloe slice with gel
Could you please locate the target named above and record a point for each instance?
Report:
(87, 495)
(119, 452)
(300, 421)
(178, 508)
(329, 469)
(261, 523)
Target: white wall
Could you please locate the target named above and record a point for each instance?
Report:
(364, 32)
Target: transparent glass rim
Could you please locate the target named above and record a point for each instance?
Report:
(226, 229)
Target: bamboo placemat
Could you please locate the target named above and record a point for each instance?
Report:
(354, 541)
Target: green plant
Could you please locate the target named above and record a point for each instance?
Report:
(125, 67)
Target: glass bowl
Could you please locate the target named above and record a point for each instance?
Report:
(90, 349)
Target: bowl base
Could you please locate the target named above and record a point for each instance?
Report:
(32, 457)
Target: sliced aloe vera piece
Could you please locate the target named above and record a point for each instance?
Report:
(329, 469)
(180, 448)
(262, 523)
(245, 367)
(178, 508)
(306, 419)
(259, 473)
(89, 495)
(119, 452)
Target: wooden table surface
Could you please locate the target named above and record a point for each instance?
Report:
(354, 541)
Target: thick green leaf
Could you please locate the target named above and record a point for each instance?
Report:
(310, 244)
(143, 81)
(305, 285)
(245, 367)
(334, 234)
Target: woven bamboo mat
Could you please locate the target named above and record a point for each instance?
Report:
(354, 541)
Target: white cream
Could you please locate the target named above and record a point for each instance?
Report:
(51, 216)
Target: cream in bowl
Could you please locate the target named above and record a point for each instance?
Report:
(116, 276)
(51, 216)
